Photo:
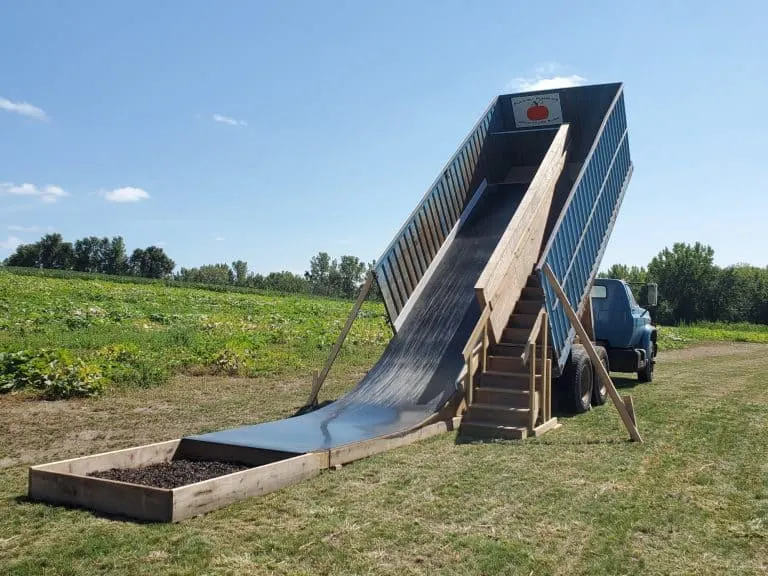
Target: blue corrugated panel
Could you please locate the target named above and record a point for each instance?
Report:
(408, 256)
(576, 246)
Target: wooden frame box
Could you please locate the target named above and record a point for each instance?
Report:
(67, 482)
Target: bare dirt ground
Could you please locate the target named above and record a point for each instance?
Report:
(712, 349)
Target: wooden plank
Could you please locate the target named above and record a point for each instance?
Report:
(396, 282)
(432, 204)
(105, 496)
(506, 273)
(202, 497)
(426, 237)
(447, 194)
(366, 288)
(410, 268)
(630, 407)
(550, 424)
(394, 287)
(596, 363)
(359, 450)
(125, 458)
(587, 319)
(386, 293)
(417, 253)
(404, 276)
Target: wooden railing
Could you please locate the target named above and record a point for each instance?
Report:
(541, 399)
(476, 352)
(504, 277)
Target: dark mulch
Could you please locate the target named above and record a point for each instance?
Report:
(171, 474)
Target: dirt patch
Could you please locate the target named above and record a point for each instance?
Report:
(172, 474)
(713, 349)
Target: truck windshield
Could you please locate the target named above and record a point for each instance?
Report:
(632, 301)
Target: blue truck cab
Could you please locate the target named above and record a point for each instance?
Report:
(623, 328)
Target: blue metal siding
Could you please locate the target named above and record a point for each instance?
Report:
(578, 241)
(407, 258)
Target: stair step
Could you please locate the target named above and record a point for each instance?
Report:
(528, 307)
(522, 321)
(515, 335)
(534, 281)
(501, 396)
(503, 415)
(536, 294)
(515, 349)
(505, 363)
(482, 430)
(518, 381)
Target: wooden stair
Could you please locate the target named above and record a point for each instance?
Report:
(501, 407)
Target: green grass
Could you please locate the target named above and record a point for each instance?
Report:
(139, 334)
(692, 499)
(673, 338)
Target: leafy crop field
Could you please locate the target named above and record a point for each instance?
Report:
(62, 337)
(674, 338)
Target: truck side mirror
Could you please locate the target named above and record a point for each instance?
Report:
(652, 294)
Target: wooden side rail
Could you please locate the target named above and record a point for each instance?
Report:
(477, 345)
(504, 277)
(538, 400)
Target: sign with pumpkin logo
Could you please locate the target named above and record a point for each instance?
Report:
(537, 110)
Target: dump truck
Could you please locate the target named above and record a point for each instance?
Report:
(625, 340)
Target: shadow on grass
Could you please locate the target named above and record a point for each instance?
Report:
(23, 499)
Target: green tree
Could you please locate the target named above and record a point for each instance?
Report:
(241, 271)
(89, 254)
(151, 262)
(686, 276)
(25, 256)
(115, 257)
(55, 253)
(286, 282)
(351, 271)
(208, 274)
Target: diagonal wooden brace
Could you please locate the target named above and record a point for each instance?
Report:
(626, 416)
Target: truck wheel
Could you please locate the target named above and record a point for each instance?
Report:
(645, 374)
(578, 382)
(600, 391)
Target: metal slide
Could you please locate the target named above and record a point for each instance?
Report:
(427, 275)
(417, 373)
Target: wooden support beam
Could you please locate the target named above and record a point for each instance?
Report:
(319, 380)
(605, 378)
(587, 319)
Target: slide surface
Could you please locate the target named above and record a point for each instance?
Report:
(417, 373)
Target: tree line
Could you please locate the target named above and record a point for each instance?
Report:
(326, 276)
(92, 254)
(693, 289)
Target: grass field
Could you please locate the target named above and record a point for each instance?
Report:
(140, 334)
(693, 499)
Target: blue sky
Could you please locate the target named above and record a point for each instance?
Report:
(268, 131)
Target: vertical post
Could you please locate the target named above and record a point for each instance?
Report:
(532, 385)
(470, 378)
(548, 384)
(485, 347)
(544, 346)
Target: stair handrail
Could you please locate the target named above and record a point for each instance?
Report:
(528, 358)
(477, 343)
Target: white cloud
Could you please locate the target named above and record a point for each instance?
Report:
(10, 243)
(229, 120)
(219, 238)
(23, 108)
(48, 194)
(533, 84)
(16, 228)
(126, 194)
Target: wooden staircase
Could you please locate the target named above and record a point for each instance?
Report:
(507, 400)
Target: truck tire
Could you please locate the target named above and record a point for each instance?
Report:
(600, 391)
(645, 374)
(577, 384)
